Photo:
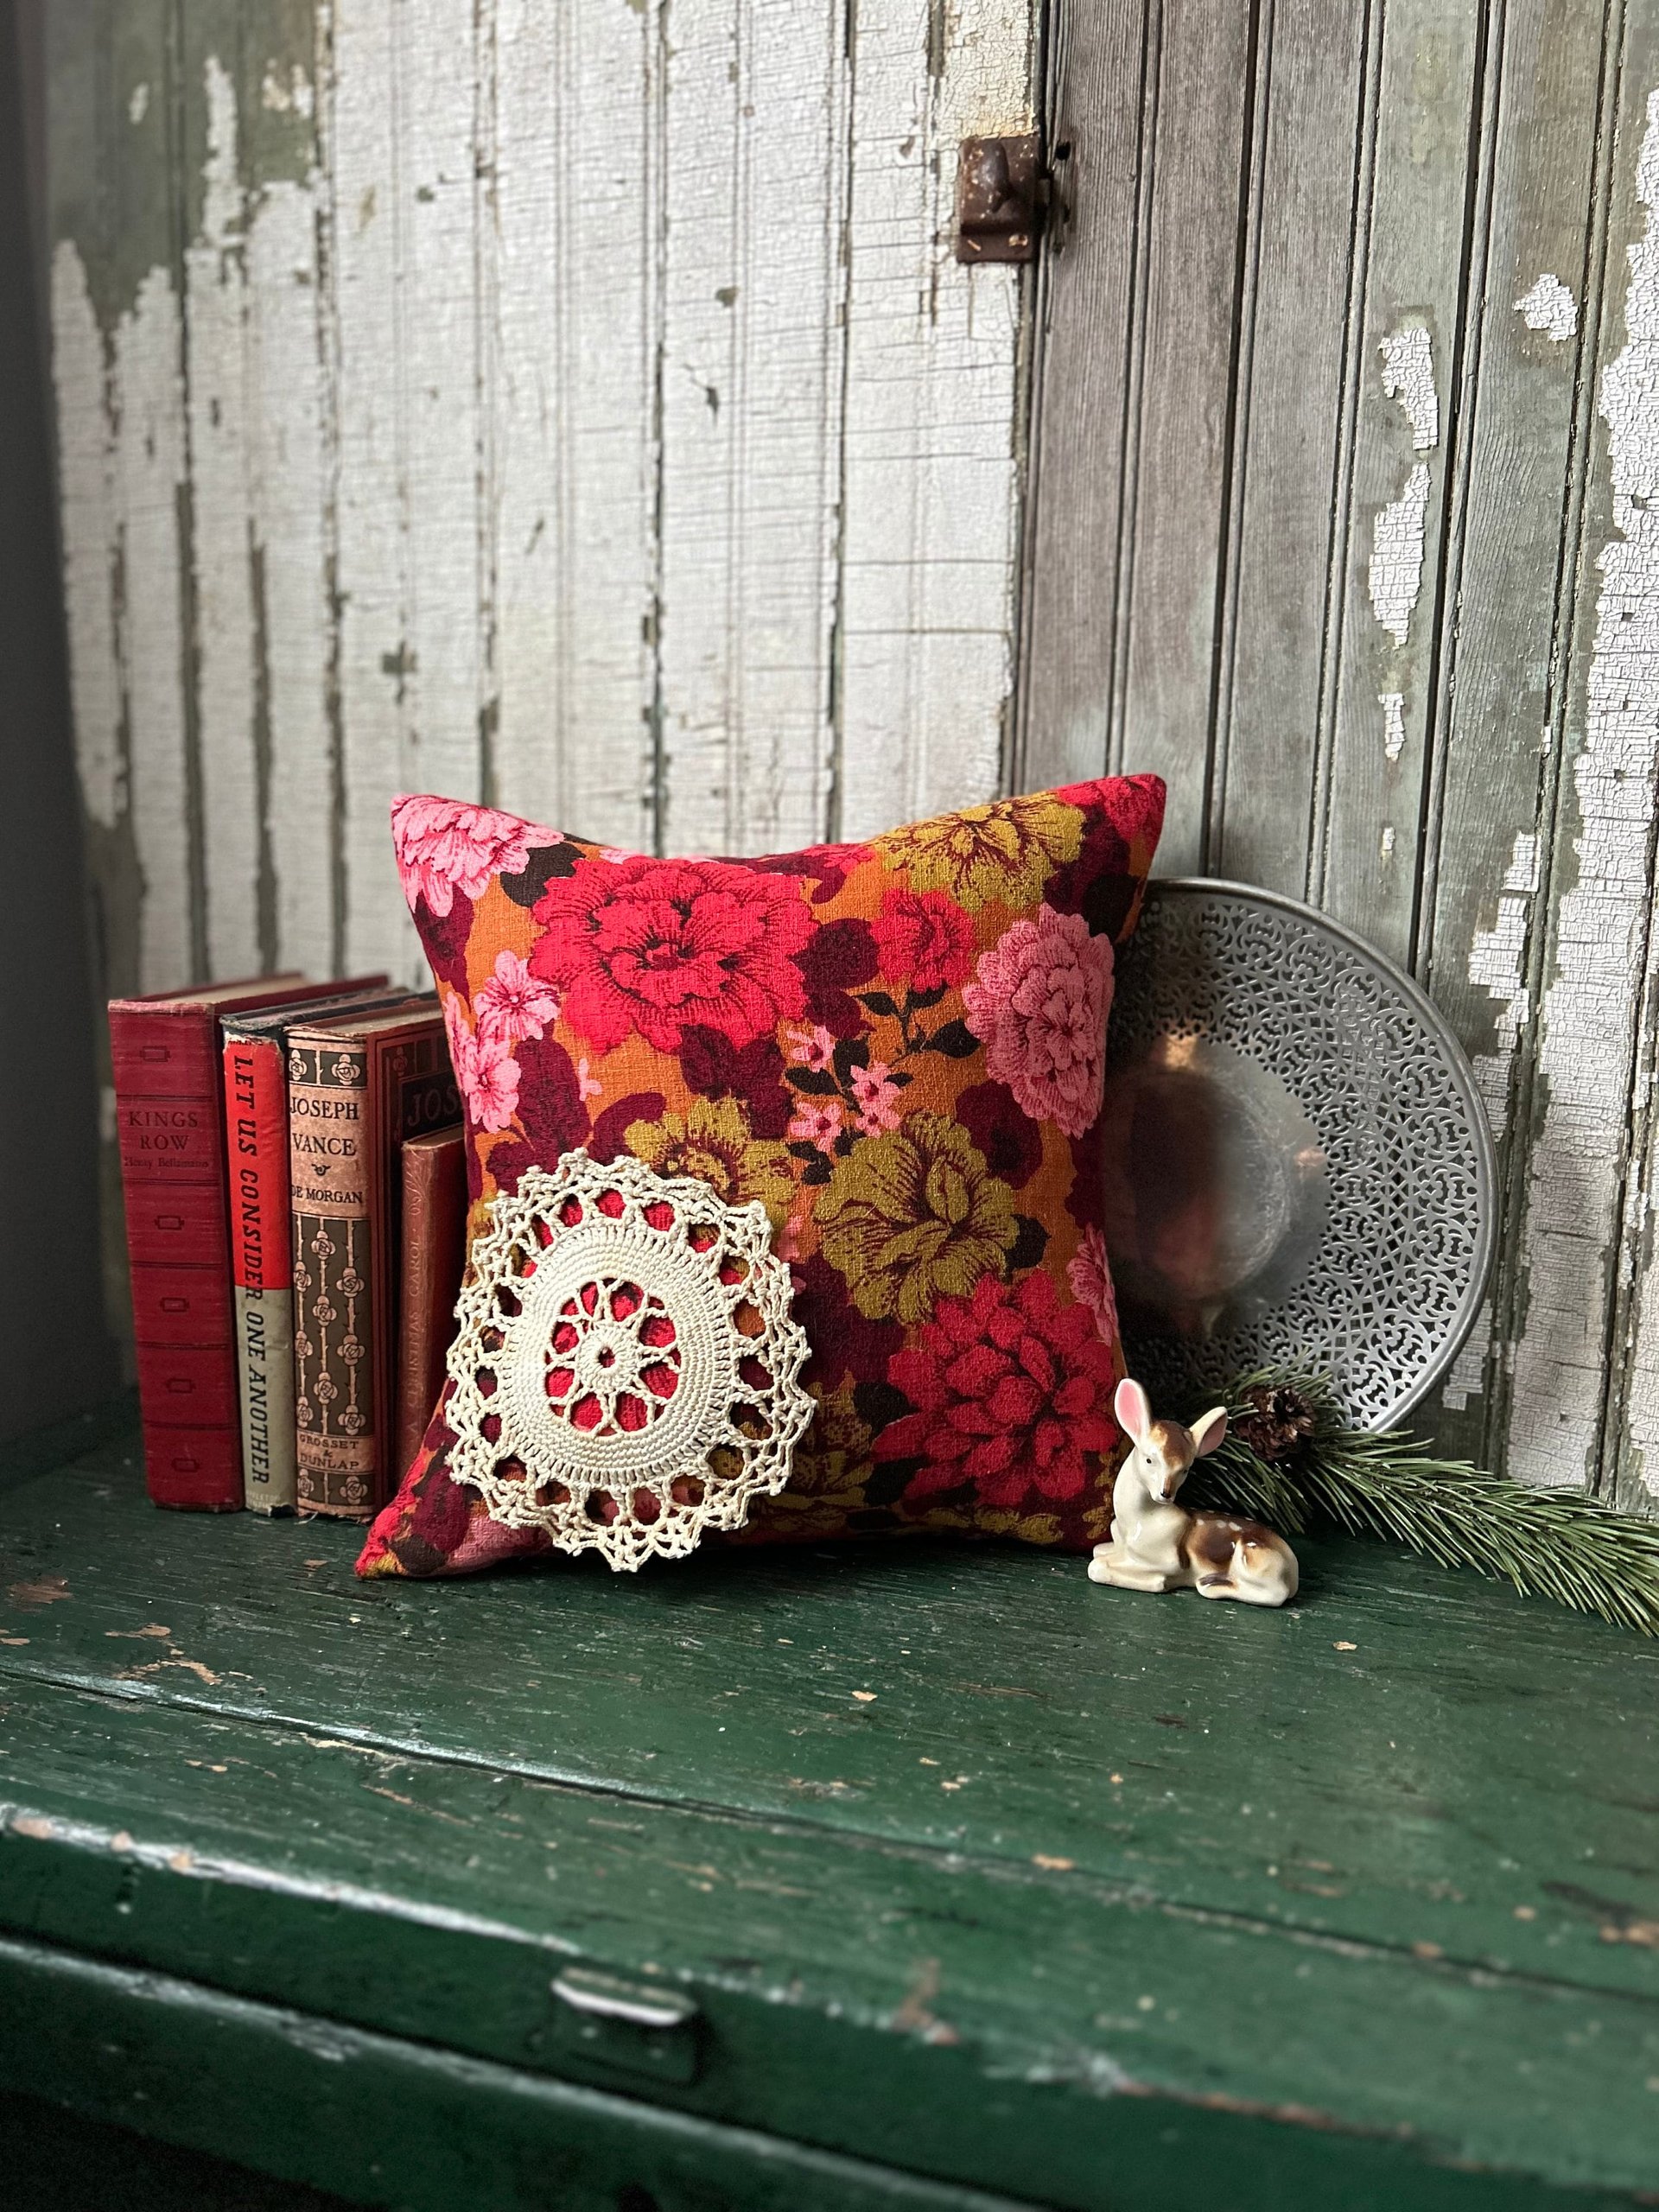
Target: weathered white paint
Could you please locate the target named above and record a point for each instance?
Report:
(289, 496)
(1408, 377)
(87, 521)
(1549, 306)
(1498, 965)
(1588, 1017)
(1394, 576)
(358, 114)
(605, 425)
(1468, 1376)
(752, 341)
(216, 363)
(294, 94)
(433, 207)
(1393, 704)
(568, 271)
(931, 483)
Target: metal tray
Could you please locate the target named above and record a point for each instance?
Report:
(1297, 1162)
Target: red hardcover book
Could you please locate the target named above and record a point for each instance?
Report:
(171, 1123)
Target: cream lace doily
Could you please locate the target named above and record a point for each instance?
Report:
(625, 1369)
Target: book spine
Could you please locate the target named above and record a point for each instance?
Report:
(329, 1173)
(169, 1124)
(256, 1132)
(411, 1090)
(433, 1255)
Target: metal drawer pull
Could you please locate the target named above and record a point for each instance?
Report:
(640, 2005)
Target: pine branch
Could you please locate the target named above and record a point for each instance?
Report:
(1554, 1544)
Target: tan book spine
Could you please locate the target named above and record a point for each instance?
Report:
(329, 1168)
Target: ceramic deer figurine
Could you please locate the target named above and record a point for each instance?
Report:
(1157, 1544)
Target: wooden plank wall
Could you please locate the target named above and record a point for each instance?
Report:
(579, 407)
(1347, 430)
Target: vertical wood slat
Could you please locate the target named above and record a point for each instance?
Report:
(1508, 595)
(1177, 468)
(363, 140)
(1363, 860)
(216, 376)
(569, 258)
(302, 915)
(1312, 201)
(1581, 1372)
(930, 481)
(119, 372)
(752, 336)
(1068, 646)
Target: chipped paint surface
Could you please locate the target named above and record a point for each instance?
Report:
(1393, 704)
(1395, 576)
(1408, 377)
(1498, 965)
(1550, 306)
(1588, 1018)
(448, 460)
(1467, 1379)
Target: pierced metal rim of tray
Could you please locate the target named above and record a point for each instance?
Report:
(1462, 1076)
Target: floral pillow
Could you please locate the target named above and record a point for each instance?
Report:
(897, 1047)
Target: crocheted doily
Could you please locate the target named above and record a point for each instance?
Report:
(625, 1369)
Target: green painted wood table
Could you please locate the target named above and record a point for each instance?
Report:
(917, 1876)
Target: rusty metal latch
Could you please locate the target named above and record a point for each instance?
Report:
(1001, 198)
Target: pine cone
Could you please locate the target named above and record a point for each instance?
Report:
(1281, 1419)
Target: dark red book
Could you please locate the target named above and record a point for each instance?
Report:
(432, 1260)
(169, 1119)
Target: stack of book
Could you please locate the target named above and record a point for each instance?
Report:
(296, 1192)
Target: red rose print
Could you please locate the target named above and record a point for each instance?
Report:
(653, 948)
(1010, 1140)
(1011, 1390)
(926, 936)
(839, 955)
(714, 1068)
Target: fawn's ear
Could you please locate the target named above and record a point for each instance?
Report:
(1133, 1411)
(1210, 1432)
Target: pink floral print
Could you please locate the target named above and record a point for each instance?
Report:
(485, 1071)
(877, 1096)
(817, 1122)
(443, 845)
(1089, 1276)
(513, 1004)
(1039, 1002)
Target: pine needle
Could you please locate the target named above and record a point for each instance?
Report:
(1547, 1543)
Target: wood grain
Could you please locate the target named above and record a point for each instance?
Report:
(1429, 700)
(214, 1750)
(1519, 468)
(644, 461)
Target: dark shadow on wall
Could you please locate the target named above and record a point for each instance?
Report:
(55, 1352)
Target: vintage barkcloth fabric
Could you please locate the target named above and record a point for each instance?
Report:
(897, 1047)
